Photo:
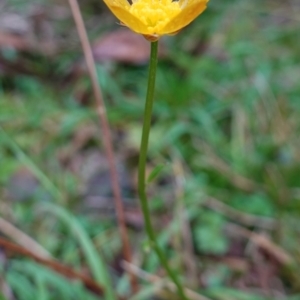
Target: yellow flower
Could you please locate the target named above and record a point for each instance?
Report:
(154, 18)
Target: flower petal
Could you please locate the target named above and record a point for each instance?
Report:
(120, 3)
(190, 10)
(121, 11)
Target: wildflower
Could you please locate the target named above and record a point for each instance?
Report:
(154, 18)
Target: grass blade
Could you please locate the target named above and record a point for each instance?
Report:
(94, 260)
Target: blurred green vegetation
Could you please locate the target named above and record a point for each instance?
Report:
(226, 127)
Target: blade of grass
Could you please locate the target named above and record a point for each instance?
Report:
(28, 162)
(95, 262)
(51, 264)
(94, 259)
(23, 239)
(41, 287)
(149, 291)
(47, 284)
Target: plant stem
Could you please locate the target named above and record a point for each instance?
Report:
(142, 171)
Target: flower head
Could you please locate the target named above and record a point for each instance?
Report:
(154, 18)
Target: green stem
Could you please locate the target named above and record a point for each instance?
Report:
(142, 171)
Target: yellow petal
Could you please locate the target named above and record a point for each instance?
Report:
(120, 3)
(120, 10)
(190, 10)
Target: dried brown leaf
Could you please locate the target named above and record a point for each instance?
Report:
(124, 46)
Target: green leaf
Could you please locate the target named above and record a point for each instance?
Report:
(155, 172)
(208, 234)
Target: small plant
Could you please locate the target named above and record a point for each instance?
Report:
(225, 211)
(154, 19)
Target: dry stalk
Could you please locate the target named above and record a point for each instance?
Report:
(220, 165)
(107, 140)
(283, 257)
(238, 216)
(53, 264)
(165, 282)
(23, 239)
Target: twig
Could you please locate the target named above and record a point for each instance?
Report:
(236, 179)
(154, 278)
(238, 216)
(23, 239)
(107, 140)
(263, 242)
(288, 263)
(54, 265)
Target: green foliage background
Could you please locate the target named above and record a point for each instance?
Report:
(227, 111)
